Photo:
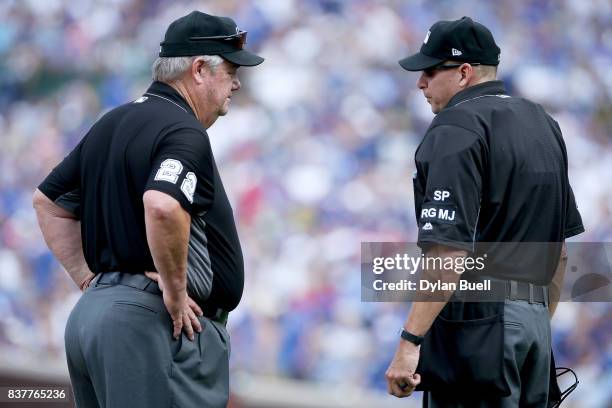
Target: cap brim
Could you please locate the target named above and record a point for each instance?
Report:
(243, 58)
(419, 62)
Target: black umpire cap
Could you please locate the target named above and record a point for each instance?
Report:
(202, 34)
(462, 40)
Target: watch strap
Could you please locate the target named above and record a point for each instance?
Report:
(412, 338)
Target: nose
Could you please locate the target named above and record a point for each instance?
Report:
(421, 82)
(236, 85)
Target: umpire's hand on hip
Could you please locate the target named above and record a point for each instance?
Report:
(401, 377)
(184, 313)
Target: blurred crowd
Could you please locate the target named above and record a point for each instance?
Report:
(316, 155)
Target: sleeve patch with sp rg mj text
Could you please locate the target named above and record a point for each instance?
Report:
(442, 196)
(444, 214)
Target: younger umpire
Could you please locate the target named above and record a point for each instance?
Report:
(145, 184)
(491, 169)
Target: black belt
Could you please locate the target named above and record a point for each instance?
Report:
(504, 289)
(142, 282)
(134, 280)
(518, 290)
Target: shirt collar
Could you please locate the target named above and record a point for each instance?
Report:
(165, 91)
(485, 88)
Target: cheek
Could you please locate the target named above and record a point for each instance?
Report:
(224, 88)
(442, 88)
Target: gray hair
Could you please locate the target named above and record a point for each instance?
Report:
(483, 72)
(486, 71)
(168, 69)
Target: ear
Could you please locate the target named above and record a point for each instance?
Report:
(199, 70)
(467, 74)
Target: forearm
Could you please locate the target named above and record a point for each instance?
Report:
(168, 227)
(401, 375)
(62, 233)
(422, 316)
(423, 313)
(556, 285)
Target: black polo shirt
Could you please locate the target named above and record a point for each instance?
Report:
(493, 169)
(152, 143)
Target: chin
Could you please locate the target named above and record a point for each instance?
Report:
(224, 109)
(435, 108)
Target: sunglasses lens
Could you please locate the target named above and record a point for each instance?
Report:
(237, 40)
(242, 40)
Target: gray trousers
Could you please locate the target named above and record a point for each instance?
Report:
(121, 354)
(526, 362)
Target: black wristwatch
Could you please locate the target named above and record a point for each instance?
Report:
(416, 340)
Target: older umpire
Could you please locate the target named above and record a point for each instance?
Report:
(145, 185)
(491, 169)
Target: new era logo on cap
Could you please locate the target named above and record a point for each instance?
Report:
(463, 40)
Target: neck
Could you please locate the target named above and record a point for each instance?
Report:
(474, 82)
(482, 80)
(191, 100)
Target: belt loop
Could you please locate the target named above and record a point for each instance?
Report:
(513, 289)
(98, 278)
(148, 283)
(545, 293)
(531, 294)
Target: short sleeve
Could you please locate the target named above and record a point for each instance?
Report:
(451, 160)
(65, 177)
(71, 202)
(573, 220)
(182, 168)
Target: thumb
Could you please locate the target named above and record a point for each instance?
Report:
(152, 275)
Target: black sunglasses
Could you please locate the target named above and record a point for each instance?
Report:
(238, 40)
(442, 67)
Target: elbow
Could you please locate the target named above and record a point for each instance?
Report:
(39, 200)
(564, 252)
(159, 206)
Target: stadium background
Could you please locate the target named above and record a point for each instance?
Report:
(316, 155)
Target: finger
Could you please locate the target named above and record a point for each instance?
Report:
(389, 381)
(187, 327)
(195, 307)
(395, 384)
(409, 382)
(152, 275)
(177, 327)
(405, 388)
(195, 323)
(396, 390)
